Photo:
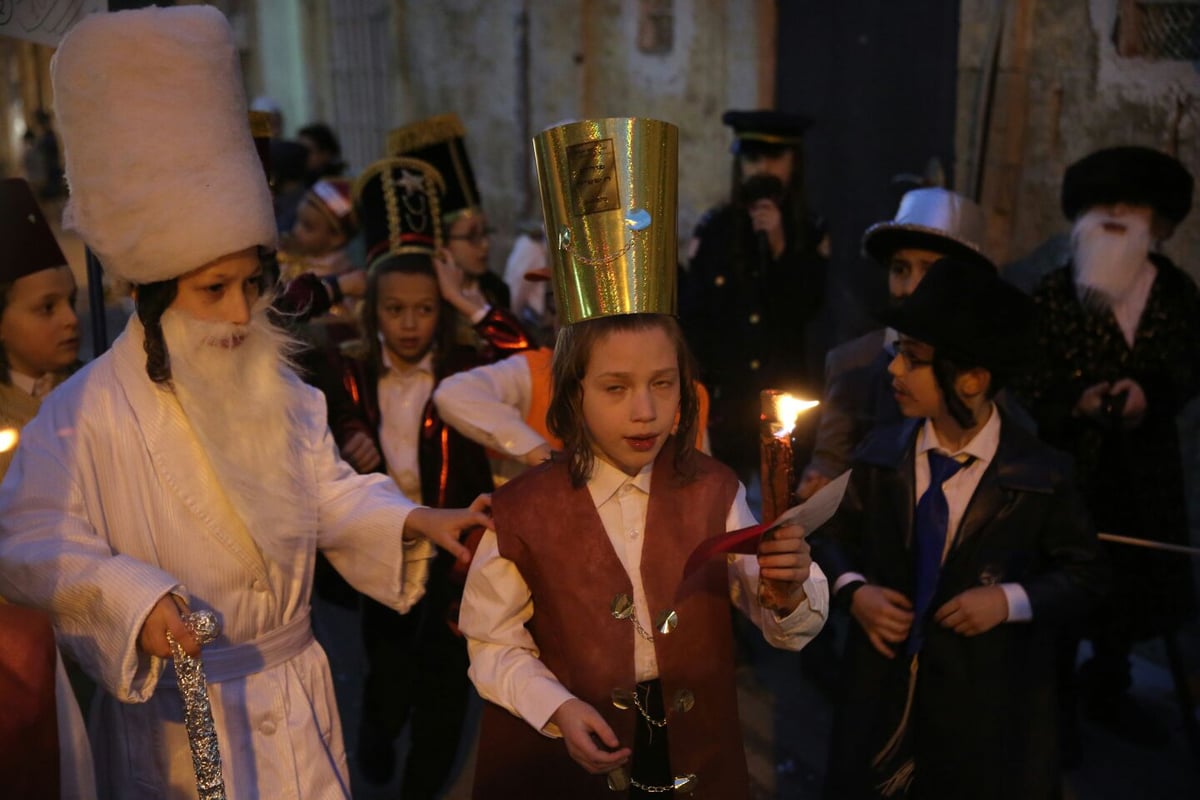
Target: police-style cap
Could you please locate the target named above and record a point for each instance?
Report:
(25, 239)
(764, 131)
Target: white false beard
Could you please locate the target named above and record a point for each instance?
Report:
(242, 406)
(1106, 264)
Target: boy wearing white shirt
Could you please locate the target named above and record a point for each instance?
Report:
(607, 663)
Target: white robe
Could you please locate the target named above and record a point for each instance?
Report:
(110, 503)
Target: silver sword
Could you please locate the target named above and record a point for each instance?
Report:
(197, 710)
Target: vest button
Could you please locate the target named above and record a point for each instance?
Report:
(685, 700)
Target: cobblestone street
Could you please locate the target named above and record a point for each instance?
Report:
(786, 721)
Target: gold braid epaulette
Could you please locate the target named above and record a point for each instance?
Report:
(425, 133)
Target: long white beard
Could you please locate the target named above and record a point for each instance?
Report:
(1107, 263)
(240, 403)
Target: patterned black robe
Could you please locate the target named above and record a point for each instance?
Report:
(1132, 479)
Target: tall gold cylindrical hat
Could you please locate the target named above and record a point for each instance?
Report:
(609, 195)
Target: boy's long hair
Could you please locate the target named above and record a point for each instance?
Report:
(407, 264)
(573, 351)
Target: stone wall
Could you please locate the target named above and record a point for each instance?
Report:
(1080, 96)
(509, 68)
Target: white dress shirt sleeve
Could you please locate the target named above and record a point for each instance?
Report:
(795, 630)
(488, 405)
(1019, 607)
(505, 664)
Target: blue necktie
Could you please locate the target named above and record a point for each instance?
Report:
(929, 541)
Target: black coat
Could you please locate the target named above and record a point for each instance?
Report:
(1133, 480)
(747, 318)
(984, 719)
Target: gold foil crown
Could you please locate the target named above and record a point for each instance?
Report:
(609, 196)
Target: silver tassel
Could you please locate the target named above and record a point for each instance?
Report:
(197, 710)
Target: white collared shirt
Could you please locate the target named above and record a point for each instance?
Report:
(960, 486)
(22, 381)
(497, 602)
(402, 398)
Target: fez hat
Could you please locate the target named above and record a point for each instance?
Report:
(1136, 175)
(440, 141)
(163, 171)
(609, 196)
(333, 198)
(765, 131)
(25, 239)
(399, 208)
(969, 315)
(931, 219)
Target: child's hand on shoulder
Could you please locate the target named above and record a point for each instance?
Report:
(884, 614)
(444, 526)
(975, 611)
(589, 739)
(785, 557)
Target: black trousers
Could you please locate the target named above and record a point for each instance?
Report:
(651, 757)
(417, 673)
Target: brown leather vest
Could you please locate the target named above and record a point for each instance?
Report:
(554, 535)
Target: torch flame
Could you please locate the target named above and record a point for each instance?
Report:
(790, 408)
(8, 439)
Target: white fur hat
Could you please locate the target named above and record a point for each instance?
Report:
(163, 172)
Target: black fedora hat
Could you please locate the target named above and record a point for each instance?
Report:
(969, 315)
(1135, 175)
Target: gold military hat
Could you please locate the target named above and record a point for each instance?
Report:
(441, 142)
(609, 196)
(398, 201)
